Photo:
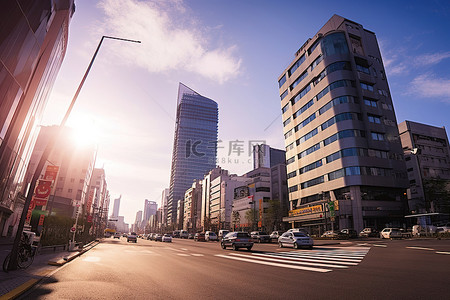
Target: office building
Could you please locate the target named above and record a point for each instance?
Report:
(138, 221)
(116, 207)
(267, 157)
(193, 207)
(33, 39)
(195, 144)
(341, 135)
(427, 156)
(164, 202)
(150, 208)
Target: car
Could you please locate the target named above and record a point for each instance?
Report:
(200, 236)
(184, 234)
(158, 237)
(223, 233)
(191, 236)
(300, 229)
(125, 235)
(390, 233)
(443, 228)
(296, 240)
(349, 233)
(176, 233)
(236, 240)
(132, 237)
(260, 236)
(423, 230)
(330, 234)
(369, 232)
(117, 235)
(275, 235)
(210, 236)
(166, 238)
(149, 236)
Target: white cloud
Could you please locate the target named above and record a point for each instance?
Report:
(431, 59)
(171, 38)
(428, 86)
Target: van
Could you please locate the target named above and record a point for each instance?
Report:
(223, 233)
(210, 236)
(184, 234)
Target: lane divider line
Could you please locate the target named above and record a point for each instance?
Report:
(442, 252)
(420, 248)
(380, 245)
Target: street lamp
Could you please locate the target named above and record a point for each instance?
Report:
(13, 260)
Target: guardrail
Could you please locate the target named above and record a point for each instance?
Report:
(54, 247)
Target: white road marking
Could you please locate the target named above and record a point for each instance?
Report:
(309, 259)
(442, 252)
(275, 264)
(292, 262)
(91, 258)
(183, 254)
(321, 256)
(380, 245)
(183, 249)
(196, 254)
(420, 248)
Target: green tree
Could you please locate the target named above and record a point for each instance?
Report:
(250, 215)
(273, 216)
(437, 191)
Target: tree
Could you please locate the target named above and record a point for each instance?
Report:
(437, 193)
(273, 216)
(250, 215)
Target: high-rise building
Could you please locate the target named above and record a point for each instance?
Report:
(342, 142)
(138, 220)
(101, 203)
(33, 42)
(164, 202)
(195, 144)
(427, 156)
(267, 157)
(150, 208)
(116, 207)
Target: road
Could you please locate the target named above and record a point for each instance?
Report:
(184, 269)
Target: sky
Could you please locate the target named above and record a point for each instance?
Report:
(232, 52)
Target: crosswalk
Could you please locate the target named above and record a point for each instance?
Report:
(322, 260)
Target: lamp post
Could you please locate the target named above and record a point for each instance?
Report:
(52, 141)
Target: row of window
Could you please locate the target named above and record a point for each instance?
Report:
(337, 66)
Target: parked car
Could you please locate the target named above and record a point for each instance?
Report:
(158, 237)
(191, 236)
(223, 233)
(117, 235)
(132, 237)
(260, 236)
(275, 235)
(369, 232)
(419, 230)
(166, 238)
(349, 233)
(390, 233)
(330, 234)
(443, 228)
(125, 235)
(176, 234)
(295, 240)
(199, 237)
(184, 234)
(210, 236)
(236, 240)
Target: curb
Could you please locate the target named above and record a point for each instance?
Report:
(13, 294)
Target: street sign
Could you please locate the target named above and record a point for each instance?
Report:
(72, 229)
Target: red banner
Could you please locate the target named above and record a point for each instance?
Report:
(51, 173)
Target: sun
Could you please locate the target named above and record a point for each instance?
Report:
(85, 130)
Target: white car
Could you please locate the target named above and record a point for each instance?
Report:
(167, 238)
(390, 233)
(210, 236)
(296, 240)
(444, 228)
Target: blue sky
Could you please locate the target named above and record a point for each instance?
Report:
(232, 52)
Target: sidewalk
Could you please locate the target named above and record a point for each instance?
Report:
(15, 283)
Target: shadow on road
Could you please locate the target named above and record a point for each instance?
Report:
(39, 290)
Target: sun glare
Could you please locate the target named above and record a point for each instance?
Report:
(85, 131)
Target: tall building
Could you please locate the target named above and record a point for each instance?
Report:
(267, 157)
(101, 202)
(195, 144)
(164, 202)
(341, 135)
(33, 42)
(150, 208)
(427, 156)
(138, 220)
(116, 207)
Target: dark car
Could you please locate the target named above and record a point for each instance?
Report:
(369, 232)
(158, 237)
(199, 237)
(236, 240)
(260, 236)
(191, 236)
(132, 237)
(349, 233)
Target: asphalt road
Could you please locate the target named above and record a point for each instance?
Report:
(184, 269)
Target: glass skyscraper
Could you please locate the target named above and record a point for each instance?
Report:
(195, 144)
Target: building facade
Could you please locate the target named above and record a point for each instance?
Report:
(266, 156)
(427, 156)
(193, 207)
(195, 144)
(341, 135)
(33, 39)
(116, 207)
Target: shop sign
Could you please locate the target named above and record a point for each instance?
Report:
(305, 211)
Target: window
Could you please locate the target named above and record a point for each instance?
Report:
(290, 147)
(288, 134)
(343, 134)
(293, 188)
(282, 96)
(312, 182)
(310, 167)
(376, 136)
(72, 179)
(336, 119)
(285, 108)
(298, 80)
(282, 81)
(296, 65)
(288, 120)
(316, 62)
(262, 189)
(69, 190)
(301, 94)
(382, 92)
(336, 101)
(340, 65)
(82, 181)
(334, 43)
(410, 169)
(370, 102)
(309, 150)
(366, 86)
(291, 174)
(305, 122)
(362, 69)
(307, 136)
(335, 85)
(304, 108)
(374, 119)
(314, 46)
(290, 160)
